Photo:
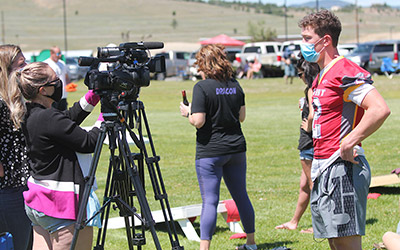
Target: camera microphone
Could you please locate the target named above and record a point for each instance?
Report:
(142, 45)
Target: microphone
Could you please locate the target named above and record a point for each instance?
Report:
(142, 45)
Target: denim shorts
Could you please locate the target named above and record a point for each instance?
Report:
(307, 154)
(48, 223)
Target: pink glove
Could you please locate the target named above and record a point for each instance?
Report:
(92, 98)
(100, 118)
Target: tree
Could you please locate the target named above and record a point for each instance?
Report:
(260, 33)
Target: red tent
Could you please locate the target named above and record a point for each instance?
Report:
(224, 40)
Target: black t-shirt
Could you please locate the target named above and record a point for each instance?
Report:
(305, 140)
(221, 133)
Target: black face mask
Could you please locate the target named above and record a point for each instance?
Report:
(57, 94)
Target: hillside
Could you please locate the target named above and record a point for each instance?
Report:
(38, 24)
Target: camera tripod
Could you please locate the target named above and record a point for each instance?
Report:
(125, 179)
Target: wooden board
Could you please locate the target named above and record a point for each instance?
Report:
(383, 180)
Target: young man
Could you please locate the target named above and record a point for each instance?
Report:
(347, 110)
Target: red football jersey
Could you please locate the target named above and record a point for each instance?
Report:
(337, 93)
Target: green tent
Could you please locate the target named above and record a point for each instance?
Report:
(44, 54)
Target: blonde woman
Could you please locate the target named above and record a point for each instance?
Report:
(52, 138)
(13, 157)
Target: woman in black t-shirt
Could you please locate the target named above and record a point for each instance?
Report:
(217, 109)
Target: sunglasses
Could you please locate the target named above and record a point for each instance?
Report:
(58, 54)
(49, 83)
(300, 74)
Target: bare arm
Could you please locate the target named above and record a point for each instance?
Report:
(376, 112)
(1, 170)
(306, 124)
(196, 119)
(242, 113)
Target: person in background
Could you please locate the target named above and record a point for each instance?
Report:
(53, 137)
(391, 240)
(14, 163)
(289, 60)
(60, 68)
(347, 109)
(307, 72)
(254, 68)
(217, 110)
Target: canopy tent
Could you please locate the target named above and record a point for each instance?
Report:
(224, 40)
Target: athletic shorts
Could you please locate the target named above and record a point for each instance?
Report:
(307, 154)
(339, 199)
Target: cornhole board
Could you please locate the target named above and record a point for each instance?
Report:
(383, 180)
(182, 216)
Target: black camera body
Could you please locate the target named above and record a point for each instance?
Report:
(128, 67)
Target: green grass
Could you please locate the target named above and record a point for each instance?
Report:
(271, 130)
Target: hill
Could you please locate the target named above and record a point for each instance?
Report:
(326, 4)
(38, 24)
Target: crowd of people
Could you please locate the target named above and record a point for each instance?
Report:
(41, 178)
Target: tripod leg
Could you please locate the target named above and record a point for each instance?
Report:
(140, 192)
(88, 186)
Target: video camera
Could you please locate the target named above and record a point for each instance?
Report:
(128, 67)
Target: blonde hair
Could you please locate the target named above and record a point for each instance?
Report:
(10, 92)
(28, 81)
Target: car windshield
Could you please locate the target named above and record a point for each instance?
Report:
(362, 48)
(255, 49)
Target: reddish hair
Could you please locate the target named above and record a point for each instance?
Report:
(212, 61)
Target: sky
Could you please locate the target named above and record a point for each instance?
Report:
(359, 2)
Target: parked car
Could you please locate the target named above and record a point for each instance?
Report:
(74, 70)
(175, 64)
(347, 48)
(361, 54)
(383, 49)
(267, 53)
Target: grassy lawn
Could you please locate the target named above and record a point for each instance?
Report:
(272, 130)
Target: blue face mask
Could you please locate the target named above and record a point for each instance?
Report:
(308, 51)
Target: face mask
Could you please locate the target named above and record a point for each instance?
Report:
(57, 94)
(309, 53)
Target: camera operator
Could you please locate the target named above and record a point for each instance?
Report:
(52, 138)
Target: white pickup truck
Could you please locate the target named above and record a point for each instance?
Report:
(267, 53)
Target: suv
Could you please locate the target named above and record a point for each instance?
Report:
(267, 53)
(381, 50)
(175, 64)
(361, 54)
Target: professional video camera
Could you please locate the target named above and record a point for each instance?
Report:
(128, 67)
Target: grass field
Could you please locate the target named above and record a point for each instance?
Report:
(271, 130)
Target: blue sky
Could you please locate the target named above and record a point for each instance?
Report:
(359, 2)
